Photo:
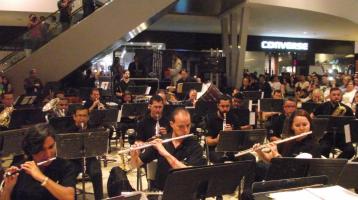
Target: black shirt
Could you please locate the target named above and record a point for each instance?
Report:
(215, 125)
(328, 108)
(294, 148)
(146, 127)
(60, 171)
(122, 86)
(189, 152)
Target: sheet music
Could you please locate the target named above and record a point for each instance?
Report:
(347, 133)
(322, 193)
(252, 118)
(258, 105)
(147, 91)
(119, 116)
(250, 105)
(25, 100)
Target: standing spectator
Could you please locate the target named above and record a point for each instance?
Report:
(265, 86)
(32, 84)
(44, 27)
(6, 84)
(34, 31)
(175, 69)
(54, 29)
(65, 7)
(136, 68)
(88, 7)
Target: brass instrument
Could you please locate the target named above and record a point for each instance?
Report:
(224, 121)
(100, 105)
(241, 153)
(51, 105)
(5, 116)
(339, 111)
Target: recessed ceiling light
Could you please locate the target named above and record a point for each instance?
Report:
(304, 32)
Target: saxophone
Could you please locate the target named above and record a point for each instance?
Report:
(5, 116)
(339, 111)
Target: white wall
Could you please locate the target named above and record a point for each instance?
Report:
(28, 5)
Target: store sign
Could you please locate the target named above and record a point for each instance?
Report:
(284, 45)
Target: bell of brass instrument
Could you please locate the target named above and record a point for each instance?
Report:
(5, 116)
(51, 105)
(100, 106)
(339, 111)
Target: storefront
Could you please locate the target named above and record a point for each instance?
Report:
(301, 56)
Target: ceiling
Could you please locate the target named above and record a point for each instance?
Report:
(264, 20)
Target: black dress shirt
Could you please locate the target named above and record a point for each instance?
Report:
(215, 125)
(60, 171)
(146, 127)
(328, 108)
(294, 148)
(189, 152)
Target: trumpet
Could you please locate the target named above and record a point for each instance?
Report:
(146, 145)
(241, 153)
(100, 105)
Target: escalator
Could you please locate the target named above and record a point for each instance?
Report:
(114, 23)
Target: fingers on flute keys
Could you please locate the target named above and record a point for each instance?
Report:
(10, 180)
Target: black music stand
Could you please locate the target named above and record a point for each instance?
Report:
(11, 141)
(133, 110)
(133, 196)
(284, 168)
(206, 181)
(61, 124)
(236, 140)
(336, 125)
(349, 176)
(137, 89)
(98, 117)
(25, 101)
(310, 107)
(26, 116)
(187, 86)
(243, 115)
(271, 105)
(81, 146)
(353, 127)
(252, 95)
(319, 127)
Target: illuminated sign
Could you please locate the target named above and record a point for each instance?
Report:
(284, 45)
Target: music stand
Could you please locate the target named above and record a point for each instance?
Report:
(187, 86)
(61, 124)
(319, 127)
(137, 89)
(332, 168)
(271, 105)
(236, 140)
(205, 181)
(310, 107)
(10, 142)
(25, 100)
(243, 114)
(336, 125)
(253, 95)
(99, 117)
(353, 127)
(349, 176)
(284, 168)
(133, 110)
(130, 196)
(81, 146)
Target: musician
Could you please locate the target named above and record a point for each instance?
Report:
(299, 122)
(7, 100)
(163, 93)
(185, 77)
(191, 101)
(278, 124)
(53, 180)
(238, 107)
(94, 101)
(93, 165)
(146, 128)
(172, 155)
(215, 125)
(333, 107)
(60, 109)
(123, 84)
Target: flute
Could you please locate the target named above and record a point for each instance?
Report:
(241, 153)
(146, 145)
(7, 174)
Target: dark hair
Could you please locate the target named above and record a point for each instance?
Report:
(238, 96)
(334, 89)
(94, 89)
(223, 98)
(5, 93)
(289, 99)
(299, 112)
(183, 70)
(79, 107)
(177, 111)
(35, 138)
(156, 98)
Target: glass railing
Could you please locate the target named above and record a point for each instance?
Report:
(29, 42)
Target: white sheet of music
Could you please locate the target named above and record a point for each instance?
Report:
(250, 105)
(119, 116)
(252, 118)
(147, 91)
(347, 133)
(323, 193)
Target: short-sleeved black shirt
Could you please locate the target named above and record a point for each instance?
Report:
(60, 171)
(146, 127)
(189, 152)
(215, 125)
